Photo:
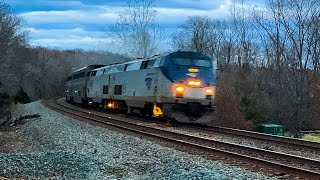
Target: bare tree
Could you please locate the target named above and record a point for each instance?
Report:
(223, 47)
(137, 29)
(12, 46)
(298, 19)
(10, 30)
(274, 39)
(244, 38)
(195, 34)
(314, 36)
(202, 34)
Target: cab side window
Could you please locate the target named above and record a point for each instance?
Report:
(133, 66)
(150, 63)
(118, 90)
(144, 64)
(93, 73)
(105, 89)
(158, 62)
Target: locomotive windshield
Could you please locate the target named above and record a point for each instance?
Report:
(192, 62)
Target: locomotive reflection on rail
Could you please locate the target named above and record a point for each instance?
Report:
(179, 85)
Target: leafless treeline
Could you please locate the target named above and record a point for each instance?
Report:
(41, 72)
(268, 60)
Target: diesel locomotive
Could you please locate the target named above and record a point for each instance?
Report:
(179, 85)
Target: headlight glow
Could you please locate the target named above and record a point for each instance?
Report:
(180, 89)
(193, 70)
(197, 83)
(208, 91)
(191, 83)
(194, 83)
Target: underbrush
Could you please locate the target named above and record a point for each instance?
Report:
(6, 117)
(8, 103)
(5, 114)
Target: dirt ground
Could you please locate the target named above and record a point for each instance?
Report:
(11, 137)
(11, 140)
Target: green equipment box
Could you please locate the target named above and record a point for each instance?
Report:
(273, 129)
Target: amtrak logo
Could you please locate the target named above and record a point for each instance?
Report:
(192, 75)
(148, 81)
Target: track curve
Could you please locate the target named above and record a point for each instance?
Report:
(284, 165)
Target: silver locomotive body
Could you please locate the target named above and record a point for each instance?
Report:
(179, 85)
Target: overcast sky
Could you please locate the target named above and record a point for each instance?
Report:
(81, 24)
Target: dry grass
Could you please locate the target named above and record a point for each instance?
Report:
(312, 137)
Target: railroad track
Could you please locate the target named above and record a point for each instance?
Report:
(287, 141)
(279, 164)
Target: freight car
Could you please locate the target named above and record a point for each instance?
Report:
(179, 85)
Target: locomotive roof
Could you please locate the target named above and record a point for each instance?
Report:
(171, 54)
(189, 54)
(83, 68)
(130, 61)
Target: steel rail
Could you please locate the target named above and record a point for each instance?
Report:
(302, 144)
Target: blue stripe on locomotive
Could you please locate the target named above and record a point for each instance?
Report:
(177, 73)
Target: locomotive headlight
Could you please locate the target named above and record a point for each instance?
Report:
(197, 83)
(194, 83)
(209, 91)
(191, 83)
(179, 89)
(193, 70)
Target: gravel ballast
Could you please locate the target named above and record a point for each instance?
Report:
(63, 148)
